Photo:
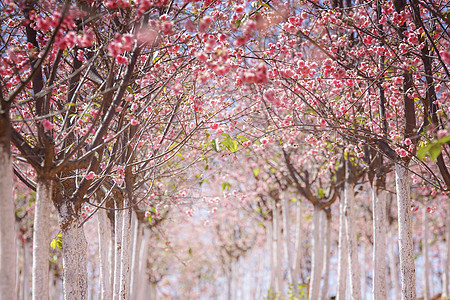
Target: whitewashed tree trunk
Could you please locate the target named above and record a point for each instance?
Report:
(112, 251)
(104, 238)
(137, 240)
(379, 243)
(269, 230)
(25, 276)
(8, 250)
(445, 274)
(41, 238)
(118, 221)
(153, 291)
(326, 227)
(277, 249)
(342, 254)
(393, 263)
(317, 256)
(74, 254)
(125, 255)
(426, 258)
(354, 269)
(298, 246)
(142, 278)
(287, 241)
(405, 240)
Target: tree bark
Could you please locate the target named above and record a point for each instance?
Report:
(342, 254)
(104, 237)
(74, 254)
(379, 243)
(326, 227)
(287, 241)
(317, 256)
(445, 274)
(298, 246)
(393, 266)
(405, 240)
(142, 278)
(8, 250)
(277, 249)
(426, 258)
(125, 256)
(41, 238)
(25, 276)
(354, 269)
(137, 244)
(118, 221)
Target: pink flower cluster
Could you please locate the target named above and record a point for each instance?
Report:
(119, 46)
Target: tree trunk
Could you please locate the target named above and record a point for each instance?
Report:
(405, 240)
(137, 240)
(41, 238)
(426, 258)
(277, 249)
(354, 270)
(342, 254)
(326, 227)
(8, 248)
(393, 266)
(379, 243)
(118, 221)
(271, 249)
(317, 257)
(445, 275)
(142, 278)
(287, 241)
(104, 237)
(125, 256)
(298, 247)
(25, 278)
(74, 254)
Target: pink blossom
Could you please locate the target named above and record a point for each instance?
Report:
(147, 214)
(134, 122)
(122, 60)
(204, 24)
(214, 126)
(90, 175)
(47, 124)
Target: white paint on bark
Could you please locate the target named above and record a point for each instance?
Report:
(354, 269)
(8, 250)
(379, 243)
(125, 256)
(445, 273)
(287, 241)
(326, 227)
(405, 240)
(342, 253)
(142, 278)
(74, 257)
(298, 245)
(393, 263)
(317, 257)
(426, 258)
(104, 237)
(118, 221)
(41, 239)
(137, 240)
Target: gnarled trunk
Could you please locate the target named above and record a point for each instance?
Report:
(405, 240)
(41, 238)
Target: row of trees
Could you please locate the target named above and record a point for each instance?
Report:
(116, 105)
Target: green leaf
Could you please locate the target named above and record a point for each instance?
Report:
(150, 219)
(53, 244)
(435, 150)
(180, 155)
(256, 171)
(130, 90)
(320, 193)
(59, 244)
(215, 145)
(226, 185)
(190, 251)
